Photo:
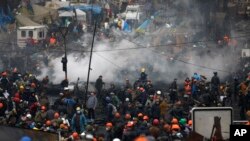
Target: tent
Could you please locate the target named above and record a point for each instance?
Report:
(23, 20)
(80, 14)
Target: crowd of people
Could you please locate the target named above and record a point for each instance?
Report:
(136, 111)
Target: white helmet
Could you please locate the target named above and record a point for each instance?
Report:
(158, 92)
(116, 139)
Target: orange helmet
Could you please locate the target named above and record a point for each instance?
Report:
(141, 138)
(145, 118)
(175, 127)
(141, 89)
(190, 122)
(140, 115)
(109, 124)
(48, 122)
(130, 124)
(56, 115)
(1, 105)
(75, 135)
(174, 121)
(43, 108)
(127, 116)
(117, 115)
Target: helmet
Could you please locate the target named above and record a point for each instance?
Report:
(4, 73)
(175, 127)
(127, 116)
(117, 115)
(1, 105)
(56, 115)
(174, 121)
(156, 122)
(107, 99)
(25, 138)
(141, 89)
(183, 121)
(28, 116)
(21, 87)
(140, 115)
(190, 122)
(145, 117)
(141, 138)
(127, 99)
(158, 92)
(116, 139)
(43, 108)
(48, 122)
(75, 135)
(130, 124)
(78, 108)
(109, 124)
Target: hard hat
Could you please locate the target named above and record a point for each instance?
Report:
(48, 123)
(183, 121)
(78, 108)
(116, 139)
(43, 108)
(83, 134)
(127, 99)
(158, 92)
(190, 122)
(175, 127)
(4, 73)
(28, 116)
(174, 121)
(109, 124)
(89, 137)
(21, 87)
(1, 105)
(141, 138)
(117, 115)
(140, 115)
(130, 124)
(141, 89)
(156, 122)
(107, 99)
(56, 115)
(75, 135)
(127, 116)
(145, 117)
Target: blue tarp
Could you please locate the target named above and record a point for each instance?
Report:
(94, 8)
(5, 19)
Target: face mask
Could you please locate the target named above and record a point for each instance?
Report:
(78, 112)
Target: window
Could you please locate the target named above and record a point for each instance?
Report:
(30, 33)
(23, 33)
(41, 34)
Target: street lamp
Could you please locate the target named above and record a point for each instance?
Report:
(64, 32)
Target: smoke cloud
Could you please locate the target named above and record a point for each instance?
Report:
(117, 61)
